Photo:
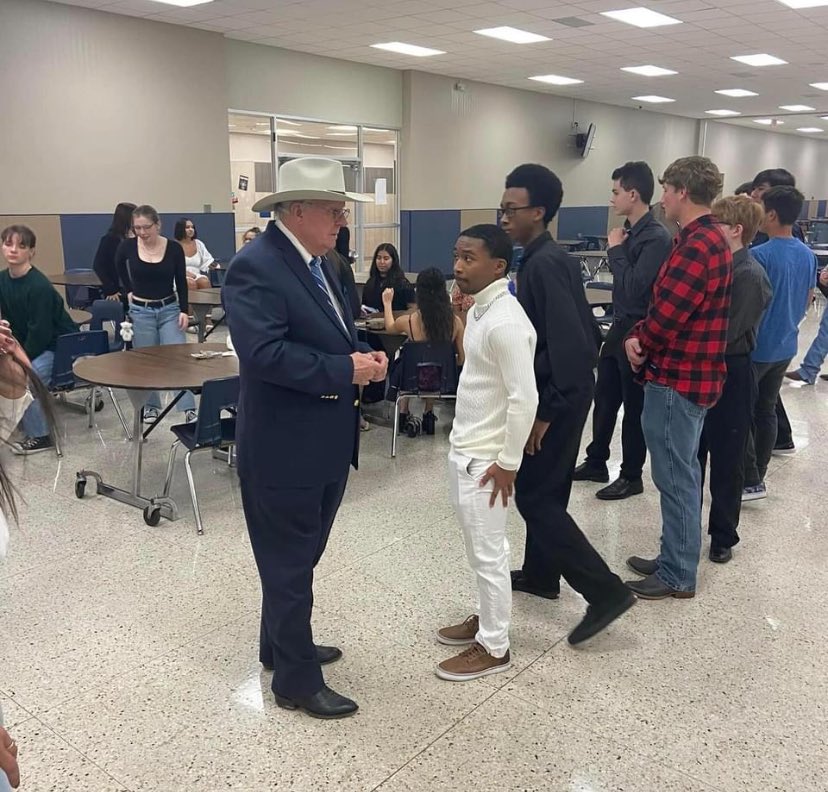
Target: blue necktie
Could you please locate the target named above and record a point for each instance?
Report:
(316, 271)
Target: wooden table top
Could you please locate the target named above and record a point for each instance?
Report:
(75, 279)
(170, 367)
(204, 296)
(79, 316)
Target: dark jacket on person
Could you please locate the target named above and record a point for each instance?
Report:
(750, 293)
(634, 265)
(342, 268)
(551, 291)
(373, 289)
(104, 264)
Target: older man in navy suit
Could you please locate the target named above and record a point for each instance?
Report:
(298, 425)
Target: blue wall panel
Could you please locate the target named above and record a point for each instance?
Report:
(822, 206)
(429, 238)
(577, 221)
(82, 232)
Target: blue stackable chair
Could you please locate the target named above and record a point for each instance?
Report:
(405, 377)
(82, 296)
(217, 277)
(108, 311)
(209, 432)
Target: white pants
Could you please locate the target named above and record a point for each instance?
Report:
(487, 548)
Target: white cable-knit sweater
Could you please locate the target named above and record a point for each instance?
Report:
(497, 396)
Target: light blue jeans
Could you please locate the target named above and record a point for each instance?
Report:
(155, 326)
(815, 357)
(672, 427)
(33, 422)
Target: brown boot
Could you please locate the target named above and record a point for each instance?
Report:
(473, 663)
(459, 634)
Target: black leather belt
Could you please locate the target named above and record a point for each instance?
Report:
(155, 303)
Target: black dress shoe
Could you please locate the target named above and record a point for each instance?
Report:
(600, 616)
(643, 566)
(325, 704)
(324, 654)
(823, 376)
(653, 589)
(620, 488)
(521, 583)
(720, 555)
(587, 472)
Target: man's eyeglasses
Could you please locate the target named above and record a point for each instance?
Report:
(510, 211)
(337, 214)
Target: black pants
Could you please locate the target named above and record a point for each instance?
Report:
(763, 433)
(555, 545)
(616, 386)
(289, 529)
(724, 439)
(784, 433)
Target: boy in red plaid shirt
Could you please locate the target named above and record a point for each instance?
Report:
(678, 350)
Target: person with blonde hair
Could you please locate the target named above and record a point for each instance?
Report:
(727, 424)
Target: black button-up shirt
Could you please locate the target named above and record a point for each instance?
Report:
(634, 265)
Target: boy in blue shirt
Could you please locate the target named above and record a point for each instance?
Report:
(791, 269)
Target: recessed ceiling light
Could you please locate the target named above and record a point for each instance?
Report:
(555, 79)
(804, 4)
(821, 86)
(408, 49)
(797, 108)
(762, 59)
(340, 134)
(652, 99)
(641, 17)
(183, 3)
(648, 71)
(722, 112)
(513, 35)
(736, 93)
(808, 129)
(289, 123)
(343, 128)
(768, 121)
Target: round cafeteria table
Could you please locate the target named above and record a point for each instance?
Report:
(75, 279)
(139, 372)
(202, 301)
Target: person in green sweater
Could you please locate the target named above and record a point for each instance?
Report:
(37, 316)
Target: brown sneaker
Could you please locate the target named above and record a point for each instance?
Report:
(473, 663)
(459, 634)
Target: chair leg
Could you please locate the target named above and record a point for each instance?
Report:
(396, 427)
(120, 414)
(193, 495)
(90, 406)
(170, 467)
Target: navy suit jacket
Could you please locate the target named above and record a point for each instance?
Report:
(298, 421)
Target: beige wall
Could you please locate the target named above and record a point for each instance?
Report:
(107, 108)
(272, 80)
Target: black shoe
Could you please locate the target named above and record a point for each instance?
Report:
(600, 616)
(32, 445)
(587, 472)
(429, 423)
(784, 448)
(324, 654)
(720, 555)
(521, 583)
(325, 704)
(653, 589)
(413, 426)
(823, 376)
(403, 422)
(643, 566)
(620, 488)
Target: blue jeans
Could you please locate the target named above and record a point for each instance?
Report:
(815, 357)
(33, 422)
(672, 428)
(153, 327)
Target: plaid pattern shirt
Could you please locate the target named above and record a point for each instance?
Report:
(684, 334)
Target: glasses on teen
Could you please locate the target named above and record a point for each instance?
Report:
(139, 228)
(511, 211)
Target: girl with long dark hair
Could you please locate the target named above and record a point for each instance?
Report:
(434, 320)
(197, 258)
(104, 265)
(386, 273)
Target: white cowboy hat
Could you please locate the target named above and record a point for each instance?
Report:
(310, 179)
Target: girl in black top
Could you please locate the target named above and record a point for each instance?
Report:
(104, 264)
(153, 273)
(386, 273)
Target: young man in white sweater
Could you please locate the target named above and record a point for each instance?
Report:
(496, 403)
